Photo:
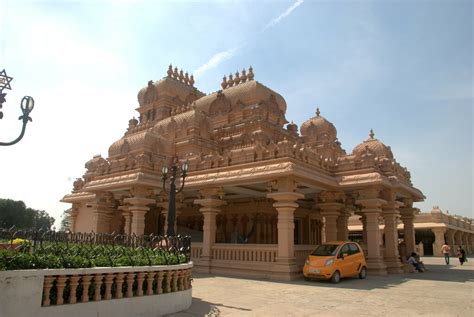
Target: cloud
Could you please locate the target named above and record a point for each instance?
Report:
(215, 60)
(220, 57)
(287, 12)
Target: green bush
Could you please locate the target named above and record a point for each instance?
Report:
(51, 255)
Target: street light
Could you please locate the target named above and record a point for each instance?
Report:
(172, 192)
(27, 105)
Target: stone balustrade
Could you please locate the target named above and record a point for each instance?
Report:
(196, 250)
(245, 253)
(116, 284)
(302, 251)
(102, 291)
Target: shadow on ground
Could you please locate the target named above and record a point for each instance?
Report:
(434, 272)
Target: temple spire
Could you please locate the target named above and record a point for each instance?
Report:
(371, 134)
(317, 112)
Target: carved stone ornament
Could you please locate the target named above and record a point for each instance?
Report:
(369, 193)
(331, 197)
(78, 184)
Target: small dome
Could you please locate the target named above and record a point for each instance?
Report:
(373, 145)
(318, 128)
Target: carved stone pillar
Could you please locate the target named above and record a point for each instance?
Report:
(439, 240)
(464, 240)
(285, 203)
(457, 239)
(285, 266)
(450, 240)
(342, 226)
(101, 210)
(209, 208)
(127, 229)
(138, 208)
(363, 220)
(371, 208)
(73, 217)
(390, 216)
(408, 216)
(332, 205)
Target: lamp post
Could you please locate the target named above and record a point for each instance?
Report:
(27, 105)
(172, 191)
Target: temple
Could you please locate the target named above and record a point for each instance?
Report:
(259, 194)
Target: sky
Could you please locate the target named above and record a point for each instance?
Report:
(402, 68)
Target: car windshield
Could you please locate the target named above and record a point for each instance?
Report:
(325, 249)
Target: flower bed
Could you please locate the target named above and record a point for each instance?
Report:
(94, 275)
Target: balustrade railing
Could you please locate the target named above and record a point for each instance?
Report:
(115, 283)
(245, 252)
(196, 250)
(302, 251)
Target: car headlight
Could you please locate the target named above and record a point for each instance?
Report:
(329, 262)
(307, 261)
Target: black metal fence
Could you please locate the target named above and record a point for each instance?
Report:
(52, 249)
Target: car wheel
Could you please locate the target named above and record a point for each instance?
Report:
(307, 278)
(363, 273)
(336, 277)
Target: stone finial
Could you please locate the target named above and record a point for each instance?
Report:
(132, 123)
(230, 82)
(191, 80)
(170, 70)
(251, 75)
(243, 78)
(371, 134)
(186, 78)
(224, 82)
(175, 73)
(317, 112)
(237, 78)
(181, 76)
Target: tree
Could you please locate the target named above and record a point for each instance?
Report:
(65, 220)
(15, 213)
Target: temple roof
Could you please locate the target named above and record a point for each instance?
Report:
(319, 127)
(373, 145)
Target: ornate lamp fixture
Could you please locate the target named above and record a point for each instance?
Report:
(172, 191)
(27, 105)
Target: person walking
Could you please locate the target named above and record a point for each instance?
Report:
(461, 255)
(446, 249)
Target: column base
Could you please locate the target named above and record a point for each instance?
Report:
(376, 266)
(205, 264)
(284, 270)
(394, 266)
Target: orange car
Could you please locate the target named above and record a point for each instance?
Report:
(333, 260)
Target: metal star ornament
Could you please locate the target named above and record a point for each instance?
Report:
(5, 81)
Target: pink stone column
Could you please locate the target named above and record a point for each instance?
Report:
(371, 209)
(128, 219)
(342, 226)
(285, 266)
(138, 208)
(331, 212)
(450, 240)
(210, 208)
(439, 240)
(408, 217)
(392, 258)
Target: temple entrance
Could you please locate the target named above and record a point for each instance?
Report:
(427, 238)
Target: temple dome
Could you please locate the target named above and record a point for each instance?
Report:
(373, 145)
(318, 128)
(174, 85)
(248, 93)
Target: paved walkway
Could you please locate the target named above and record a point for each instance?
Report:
(441, 291)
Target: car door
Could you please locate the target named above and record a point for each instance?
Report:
(356, 257)
(344, 260)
